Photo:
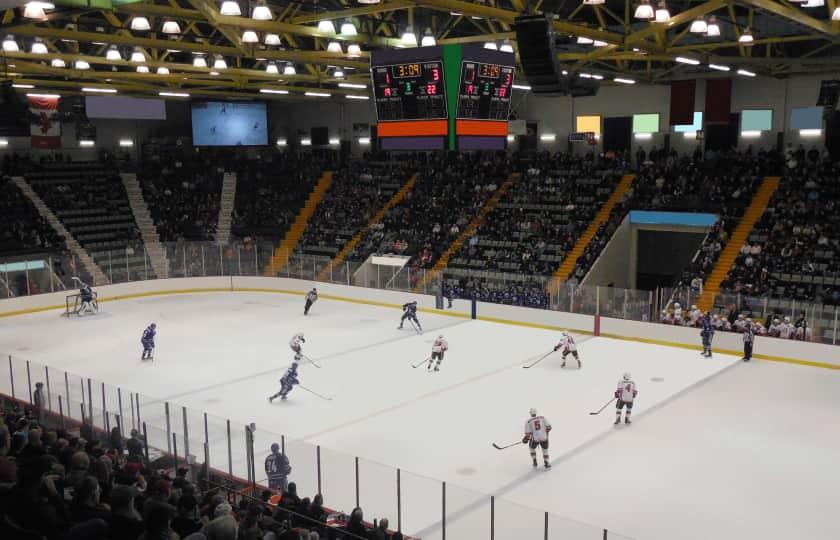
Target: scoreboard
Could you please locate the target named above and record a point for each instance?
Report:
(410, 91)
(444, 97)
(485, 90)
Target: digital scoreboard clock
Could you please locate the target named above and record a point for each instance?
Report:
(484, 92)
(410, 91)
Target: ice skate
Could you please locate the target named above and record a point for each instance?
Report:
(627, 421)
(547, 465)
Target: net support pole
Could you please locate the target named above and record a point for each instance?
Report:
(29, 381)
(61, 411)
(12, 377)
(168, 427)
(357, 481)
(399, 500)
(230, 451)
(186, 433)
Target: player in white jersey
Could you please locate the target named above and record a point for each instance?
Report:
(296, 343)
(695, 314)
(775, 328)
(625, 393)
(678, 315)
(567, 343)
(787, 330)
(536, 434)
(439, 347)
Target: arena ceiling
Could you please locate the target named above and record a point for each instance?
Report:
(104, 44)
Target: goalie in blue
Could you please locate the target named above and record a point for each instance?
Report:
(288, 381)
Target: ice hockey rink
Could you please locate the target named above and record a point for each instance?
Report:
(718, 448)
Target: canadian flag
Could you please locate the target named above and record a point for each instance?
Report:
(45, 128)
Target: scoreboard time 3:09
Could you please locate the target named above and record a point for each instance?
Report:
(410, 91)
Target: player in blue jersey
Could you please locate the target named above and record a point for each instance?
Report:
(148, 341)
(88, 303)
(288, 381)
(410, 313)
(706, 334)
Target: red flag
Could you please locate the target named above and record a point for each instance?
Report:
(45, 128)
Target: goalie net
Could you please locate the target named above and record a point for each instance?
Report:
(74, 303)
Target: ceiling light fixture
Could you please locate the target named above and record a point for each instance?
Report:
(100, 90)
(140, 24)
(624, 81)
(10, 45)
(163, 70)
(835, 15)
(712, 27)
(173, 94)
(698, 26)
(351, 85)
(506, 46)
(231, 8)
(249, 36)
(745, 73)
(662, 13)
(354, 96)
(594, 2)
(644, 11)
(491, 45)
(142, 69)
(36, 10)
(334, 47)
(261, 12)
(199, 62)
(408, 38)
(746, 39)
(599, 43)
(113, 53)
(58, 63)
(719, 67)
(219, 62)
(583, 40)
(272, 91)
(272, 68)
(316, 94)
(428, 39)
(82, 64)
(338, 73)
(171, 27)
(326, 27)
(137, 55)
(348, 28)
(271, 39)
(689, 61)
(353, 50)
(289, 69)
(38, 47)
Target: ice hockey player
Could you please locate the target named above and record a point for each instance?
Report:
(567, 343)
(410, 313)
(775, 328)
(749, 338)
(296, 343)
(311, 296)
(706, 334)
(787, 330)
(148, 341)
(536, 434)
(678, 314)
(288, 381)
(696, 315)
(625, 393)
(88, 305)
(439, 347)
(277, 469)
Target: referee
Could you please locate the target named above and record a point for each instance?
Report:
(311, 296)
(749, 339)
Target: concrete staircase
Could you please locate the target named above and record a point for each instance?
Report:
(228, 199)
(468, 231)
(287, 246)
(568, 265)
(148, 231)
(395, 199)
(730, 252)
(99, 277)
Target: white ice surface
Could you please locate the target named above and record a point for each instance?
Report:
(713, 453)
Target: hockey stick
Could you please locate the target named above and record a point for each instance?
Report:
(421, 363)
(311, 361)
(497, 447)
(540, 359)
(314, 392)
(415, 326)
(604, 407)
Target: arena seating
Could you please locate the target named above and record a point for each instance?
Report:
(541, 217)
(90, 200)
(182, 188)
(272, 189)
(448, 193)
(358, 191)
(77, 483)
(21, 226)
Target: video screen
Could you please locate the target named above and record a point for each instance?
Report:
(229, 124)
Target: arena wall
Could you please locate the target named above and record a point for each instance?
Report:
(797, 352)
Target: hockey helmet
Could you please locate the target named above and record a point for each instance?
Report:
(440, 336)
(564, 333)
(787, 319)
(533, 411)
(676, 304)
(749, 319)
(776, 320)
(153, 325)
(693, 306)
(275, 447)
(627, 376)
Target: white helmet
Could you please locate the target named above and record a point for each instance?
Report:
(776, 320)
(533, 411)
(676, 304)
(787, 319)
(299, 334)
(627, 376)
(749, 319)
(693, 306)
(440, 336)
(564, 333)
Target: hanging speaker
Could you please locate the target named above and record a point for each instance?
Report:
(538, 47)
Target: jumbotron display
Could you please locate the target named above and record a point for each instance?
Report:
(410, 91)
(485, 90)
